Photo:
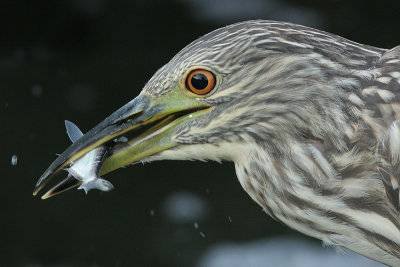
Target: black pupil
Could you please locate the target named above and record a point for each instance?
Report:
(199, 81)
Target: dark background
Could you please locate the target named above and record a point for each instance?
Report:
(80, 60)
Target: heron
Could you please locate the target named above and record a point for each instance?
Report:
(310, 120)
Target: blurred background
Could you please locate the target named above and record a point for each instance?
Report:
(82, 59)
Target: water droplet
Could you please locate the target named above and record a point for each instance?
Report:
(196, 225)
(122, 139)
(14, 160)
(151, 212)
(181, 207)
(202, 235)
(37, 90)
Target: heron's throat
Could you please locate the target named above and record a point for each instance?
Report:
(223, 151)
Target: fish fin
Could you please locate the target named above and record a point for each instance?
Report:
(99, 184)
(73, 131)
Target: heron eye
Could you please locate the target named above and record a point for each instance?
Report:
(200, 81)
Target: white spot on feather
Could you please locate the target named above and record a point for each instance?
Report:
(392, 61)
(395, 74)
(322, 162)
(355, 99)
(370, 90)
(394, 141)
(385, 95)
(384, 80)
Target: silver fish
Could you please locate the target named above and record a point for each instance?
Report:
(87, 167)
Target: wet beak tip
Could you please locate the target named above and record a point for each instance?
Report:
(48, 194)
(35, 191)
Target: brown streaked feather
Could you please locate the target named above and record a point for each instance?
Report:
(310, 120)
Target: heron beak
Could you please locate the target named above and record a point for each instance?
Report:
(148, 124)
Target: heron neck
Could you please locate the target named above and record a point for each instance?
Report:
(295, 191)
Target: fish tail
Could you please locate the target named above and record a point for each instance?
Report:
(99, 184)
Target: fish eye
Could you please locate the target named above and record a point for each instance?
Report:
(200, 81)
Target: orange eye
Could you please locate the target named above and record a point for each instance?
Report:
(200, 81)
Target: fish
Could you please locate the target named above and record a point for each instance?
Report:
(87, 167)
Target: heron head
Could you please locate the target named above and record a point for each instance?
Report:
(244, 84)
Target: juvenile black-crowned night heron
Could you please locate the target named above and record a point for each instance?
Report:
(311, 121)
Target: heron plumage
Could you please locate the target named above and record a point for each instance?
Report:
(316, 117)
